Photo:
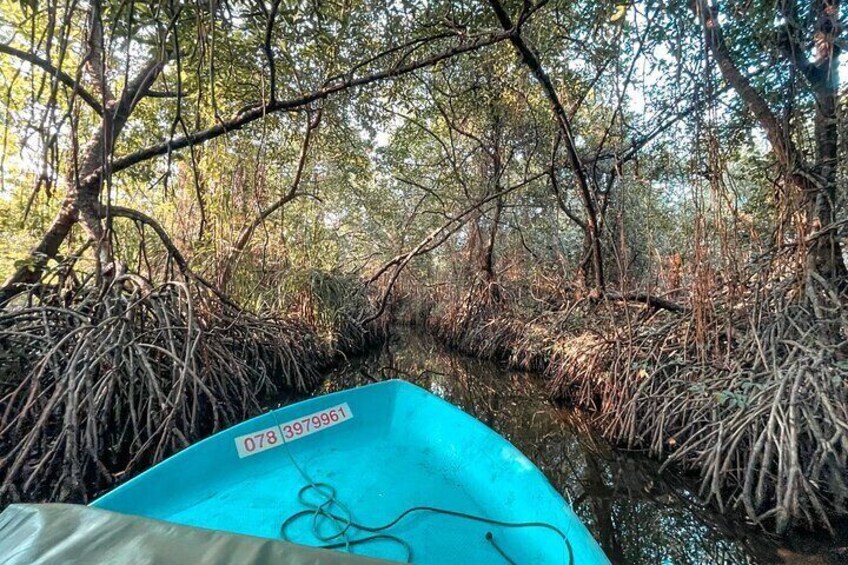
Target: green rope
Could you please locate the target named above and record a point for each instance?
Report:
(343, 521)
(491, 539)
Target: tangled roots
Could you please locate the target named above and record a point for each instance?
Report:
(121, 378)
(761, 411)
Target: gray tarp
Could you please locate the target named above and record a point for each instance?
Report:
(67, 533)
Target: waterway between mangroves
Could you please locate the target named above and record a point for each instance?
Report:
(637, 515)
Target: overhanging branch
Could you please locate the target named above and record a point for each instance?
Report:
(60, 75)
(258, 111)
(529, 58)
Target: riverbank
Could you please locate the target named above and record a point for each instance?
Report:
(99, 388)
(638, 515)
(749, 398)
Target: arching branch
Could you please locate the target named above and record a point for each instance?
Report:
(433, 240)
(62, 76)
(248, 231)
(259, 110)
(714, 37)
(137, 216)
(531, 60)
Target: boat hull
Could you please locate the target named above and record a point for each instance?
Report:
(383, 449)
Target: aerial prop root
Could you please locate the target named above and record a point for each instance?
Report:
(762, 415)
(121, 378)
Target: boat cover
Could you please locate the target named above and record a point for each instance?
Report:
(68, 533)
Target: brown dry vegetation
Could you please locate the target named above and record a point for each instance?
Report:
(646, 201)
(98, 384)
(746, 388)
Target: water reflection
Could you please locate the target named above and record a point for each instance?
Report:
(636, 516)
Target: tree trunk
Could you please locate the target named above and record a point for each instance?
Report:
(825, 255)
(84, 183)
(531, 60)
(488, 262)
(80, 202)
(816, 184)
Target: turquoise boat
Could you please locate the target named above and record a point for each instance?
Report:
(387, 471)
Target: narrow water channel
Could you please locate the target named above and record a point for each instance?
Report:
(638, 516)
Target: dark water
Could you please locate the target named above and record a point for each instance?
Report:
(636, 515)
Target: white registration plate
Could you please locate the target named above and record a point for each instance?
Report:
(275, 436)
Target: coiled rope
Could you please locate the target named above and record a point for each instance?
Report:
(341, 519)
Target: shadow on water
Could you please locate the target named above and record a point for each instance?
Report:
(635, 514)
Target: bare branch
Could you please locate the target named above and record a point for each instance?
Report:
(95, 58)
(135, 215)
(651, 300)
(782, 146)
(248, 231)
(258, 111)
(62, 76)
(433, 240)
(529, 58)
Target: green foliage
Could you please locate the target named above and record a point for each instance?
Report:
(393, 161)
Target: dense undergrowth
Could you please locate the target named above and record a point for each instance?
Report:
(748, 389)
(96, 385)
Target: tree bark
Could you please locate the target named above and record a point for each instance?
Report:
(531, 60)
(83, 185)
(826, 255)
